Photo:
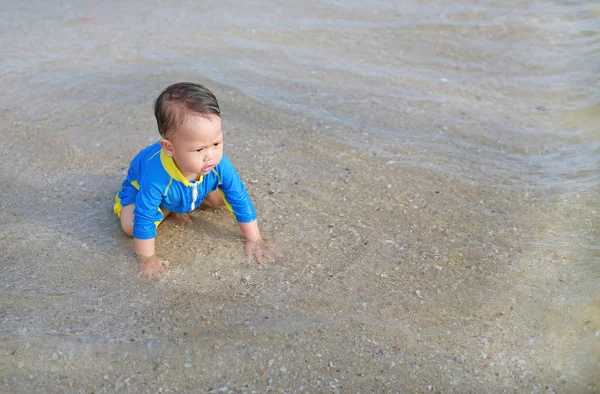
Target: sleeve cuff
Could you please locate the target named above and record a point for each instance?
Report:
(245, 219)
(144, 234)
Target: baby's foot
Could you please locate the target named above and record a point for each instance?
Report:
(181, 218)
(205, 205)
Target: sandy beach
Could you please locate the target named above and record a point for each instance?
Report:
(428, 246)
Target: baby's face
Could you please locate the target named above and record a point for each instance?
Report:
(197, 145)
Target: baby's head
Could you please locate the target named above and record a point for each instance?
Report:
(179, 100)
(189, 122)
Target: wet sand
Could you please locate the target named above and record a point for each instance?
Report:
(396, 276)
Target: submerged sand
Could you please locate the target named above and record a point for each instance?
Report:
(396, 276)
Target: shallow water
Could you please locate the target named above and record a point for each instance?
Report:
(467, 135)
(512, 85)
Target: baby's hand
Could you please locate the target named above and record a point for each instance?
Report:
(152, 266)
(261, 251)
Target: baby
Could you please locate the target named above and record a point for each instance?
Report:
(181, 172)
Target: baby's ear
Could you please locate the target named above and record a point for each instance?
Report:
(167, 146)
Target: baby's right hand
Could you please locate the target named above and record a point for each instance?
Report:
(152, 266)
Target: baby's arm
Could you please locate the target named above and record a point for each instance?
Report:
(250, 231)
(238, 201)
(146, 217)
(253, 241)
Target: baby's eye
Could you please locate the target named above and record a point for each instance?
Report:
(199, 150)
(217, 143)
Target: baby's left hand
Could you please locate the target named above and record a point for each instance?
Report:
(261, 251)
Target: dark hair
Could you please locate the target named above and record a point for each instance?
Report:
(174, 102)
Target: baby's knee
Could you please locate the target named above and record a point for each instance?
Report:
(127, 219)
(127, 228)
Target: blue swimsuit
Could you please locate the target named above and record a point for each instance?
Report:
(154, 181)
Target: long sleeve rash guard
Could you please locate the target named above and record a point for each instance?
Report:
(154, 182)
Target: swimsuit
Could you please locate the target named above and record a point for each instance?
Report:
(154, 182)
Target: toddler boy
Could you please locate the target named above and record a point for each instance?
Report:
(183, 170)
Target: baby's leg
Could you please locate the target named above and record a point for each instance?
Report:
(127, 218)
(213, 200)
